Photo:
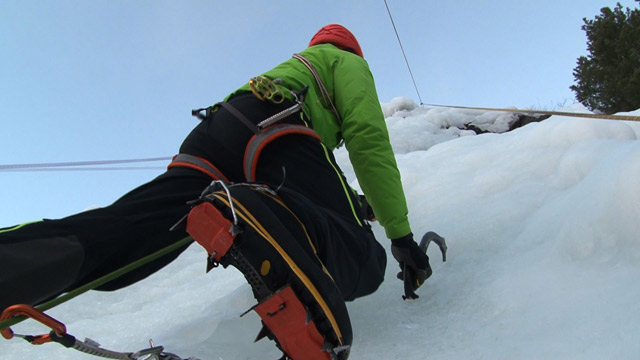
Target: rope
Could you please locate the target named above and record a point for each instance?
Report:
(10, 167)
(85, 165)
(87, 169)
(561, 113)
(403, 53)
(82, 165)
(101, 281)
(594, 116)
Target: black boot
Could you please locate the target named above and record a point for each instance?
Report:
(300, 305)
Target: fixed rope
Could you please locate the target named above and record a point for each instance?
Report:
(83, 165)
(561, 113)
(403, 53)
(98, 165)
(529, 111)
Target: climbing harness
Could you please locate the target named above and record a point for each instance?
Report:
(58, 334)
(259, 141)
(265, 132)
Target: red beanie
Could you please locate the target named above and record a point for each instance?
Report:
(339, 36)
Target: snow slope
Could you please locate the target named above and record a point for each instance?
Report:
(542, 225)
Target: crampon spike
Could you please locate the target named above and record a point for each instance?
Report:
(264, 332)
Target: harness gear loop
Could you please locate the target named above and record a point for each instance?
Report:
(29, 311)
(198, 113)
(266, 89)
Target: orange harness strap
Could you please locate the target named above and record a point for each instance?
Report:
(263, 138)
(197, 163)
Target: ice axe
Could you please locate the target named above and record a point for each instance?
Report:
(409, 276)
(439, 240)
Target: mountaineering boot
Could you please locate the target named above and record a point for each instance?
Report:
(249, 227)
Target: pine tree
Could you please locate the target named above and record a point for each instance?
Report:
(608, 79)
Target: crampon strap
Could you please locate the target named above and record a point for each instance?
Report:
(286, 318)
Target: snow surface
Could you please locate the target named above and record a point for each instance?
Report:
(542, 225)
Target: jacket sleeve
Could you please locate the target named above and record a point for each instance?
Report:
(367, 140)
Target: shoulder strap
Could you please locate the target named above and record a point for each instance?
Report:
(323, 89)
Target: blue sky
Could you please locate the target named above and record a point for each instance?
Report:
(100, 80)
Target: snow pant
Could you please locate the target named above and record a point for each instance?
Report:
(41, 260)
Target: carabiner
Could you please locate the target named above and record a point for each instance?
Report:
(35, 314)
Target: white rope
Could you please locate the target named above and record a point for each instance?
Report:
(82, 165)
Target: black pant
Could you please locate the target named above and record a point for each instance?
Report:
(41, 260)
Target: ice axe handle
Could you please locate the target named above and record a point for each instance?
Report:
(409, 277)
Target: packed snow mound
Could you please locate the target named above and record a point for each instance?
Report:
(415, 128)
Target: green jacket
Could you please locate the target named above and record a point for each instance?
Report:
(350, 84)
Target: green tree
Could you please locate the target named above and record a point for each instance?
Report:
(608, 79)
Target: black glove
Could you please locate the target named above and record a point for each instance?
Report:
(414, 264)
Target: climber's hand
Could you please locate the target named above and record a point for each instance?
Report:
(414, 264)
